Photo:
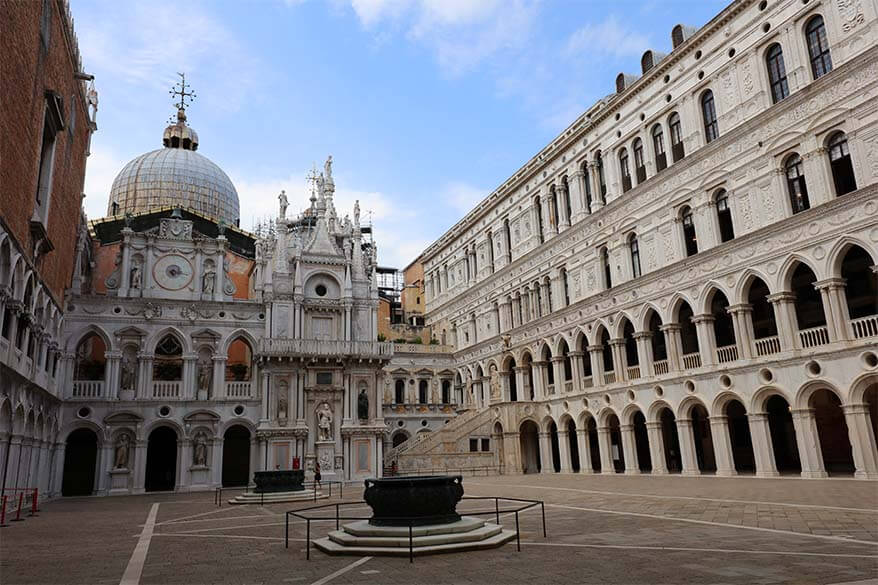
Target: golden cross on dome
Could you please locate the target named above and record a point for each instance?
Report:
(179, 89)
(312, 179)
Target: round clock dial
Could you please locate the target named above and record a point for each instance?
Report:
(172, 272)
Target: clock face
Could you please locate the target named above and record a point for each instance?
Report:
(172, 272)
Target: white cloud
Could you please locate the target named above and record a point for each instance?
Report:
(609, 37)
(102, 167)
(462, 196)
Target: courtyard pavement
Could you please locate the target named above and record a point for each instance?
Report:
(601, 529)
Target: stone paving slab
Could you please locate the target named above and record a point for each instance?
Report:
(602, 529)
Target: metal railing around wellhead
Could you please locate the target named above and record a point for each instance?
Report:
(312, 485)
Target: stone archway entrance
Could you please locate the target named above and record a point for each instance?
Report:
(80, 461)
(236, 456)
(671, 441)
(161, 460)
(783, 435)
(594, 450)
(835, 444)
(530, 447)
(641, 442)
(399, 438)
(573, 446)
(704, 454)
(739, 436)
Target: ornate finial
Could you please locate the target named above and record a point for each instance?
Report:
(179, 89)
(312, 180)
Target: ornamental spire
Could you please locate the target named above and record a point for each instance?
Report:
(178, 134)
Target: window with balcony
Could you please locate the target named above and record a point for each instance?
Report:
(841, 165)
(658, 144)
(724, 216)
(690, 239)
(777, 73)
(624, 170)
(634, 249)
(818, 47)
(676, 128)
(639, 163)
(796, 187)
(708, 114)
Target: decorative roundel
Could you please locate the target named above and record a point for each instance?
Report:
(83, 412)
(164, 411)
(400, 423)
(423, 423)
(172, 272)
(239, 410)
(320, 290)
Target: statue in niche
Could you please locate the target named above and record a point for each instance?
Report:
(122, 445)
(208, 280)
(388, 397)
(199, 450)
(434, 395)
(205, 374)
(363, 405)
(136, 278)
(284, 202)
(129, 372)
(324, 422)
(495, 382)
(282, 405)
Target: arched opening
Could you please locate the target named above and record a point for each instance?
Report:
(587, 183)
(161, 460)
(527, 364)
(783, 435)
(708, 115)
(607, 352)
(809, 307)
(832, 429)
(91, 361)
(585, 361)
(690, 238)
(797, 189)
(539, 213)
(870, 397)
(594, 448)
(550, 370)
(632, 359)
(236, 456)
(168, 363)
(724, 216)
(80, 462)
(860, 291)
(239, 361)
(573, 446)
(777, 73)
(399, 392)
(704, 454)
(641, 442)
(818, 47)
(530, 447)
(556, 447)
(671, 441)
(602, 179)
(605, 265)
(688, 337)
(639, 161)
(740, 438)
(678, 151)
(423, 387)
(634, 251)
(399, 438)
(841, 165)
(513, 383)
(616, 450)
(658, 145)
(567, 369)
(723, 328)
(762, 317)
(658, 344)
(624, 170)
(446, 391)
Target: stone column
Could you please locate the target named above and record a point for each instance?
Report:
(606, 449)
(184, 461)
(577, 196)
(539, 379)
(687, 447)
(144, 378)
(546, 464)
(617, 347)
(835, 308)
(558, 372)
(674, 345)
(216, 457)
(140, 446)
(808, 442)
(784, 307)
(763, 451)
(706, 338)
(596, 355)
(644, 352)
(742, 315)
(562, 195)
(105, 465)
(576, 369)
(4, 448)
(722, 445)
(629, 450)
(218, 382)
(521, 388)
(656, 448)
(863, 443)
(564, 451)
(583, 441)
(58, 468)
(12, 461)
(111, 389)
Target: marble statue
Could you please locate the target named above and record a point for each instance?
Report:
(199, 450)
(282, 406)
(284, 203)
(129, 373)
(136, 276)
(388, 396)
(327, 169)
(324, 422)
(495, 382)
(363, 405)
(122, 445)
(357, 213)
(205, 373)
(208, 281)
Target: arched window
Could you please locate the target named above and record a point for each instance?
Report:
(818, 47)
(399, 392)
(634, 247)
(658, 144)
(239, 361)
(553, 209)
(840, 162)
(168, 363)
(539, 212)
(605, 265)
(565, 281)
(91, 361)
(565, 197)
(491, 251)
(423, 385)
(446, 391)
(708, 113)
(724, 216)
(689, 237)
(796, 187)
(602, 180)
(623, 169)
(639, 164)
(587, 180)
(508, 234)
(677, 150)
(777, 73)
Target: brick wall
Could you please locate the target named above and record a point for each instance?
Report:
(28, 70)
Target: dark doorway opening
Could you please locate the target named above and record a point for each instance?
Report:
(80, 460)
(236, 456)
(161, 460)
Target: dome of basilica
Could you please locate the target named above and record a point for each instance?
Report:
(175, 176)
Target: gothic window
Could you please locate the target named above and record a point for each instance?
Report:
(508, 234)
(605, 266)
(708, 113)
(168, 364)
(777, 73)
(539, 226)
(239, 362)
(399, 392)
(565, 281)
(677, 149)
(491, 251)
(658, 144)
(587, 180)
(840, 163)
(689, 238)
(818, 47)
(599, 163)
(796, 187)
(634, 248)
(724, 215)
(639, 164)
(553, 207)
(623, 168)
(91, 361)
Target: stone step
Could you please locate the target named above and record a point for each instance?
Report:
(333, 548)
(343, 538)
(363, 528)
(277, 497)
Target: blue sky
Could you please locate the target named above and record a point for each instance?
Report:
(425, 105)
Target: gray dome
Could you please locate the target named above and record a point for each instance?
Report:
(175, 176)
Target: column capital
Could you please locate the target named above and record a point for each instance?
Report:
(855, 408)
(654, 424)
(643, 335)
(594, 348)
(617, 342)
(830, 283)
(703, 318)
(670, 327)
(757, 416)
(740, 308)
(557, 359)
(719, 419)
(781, 297)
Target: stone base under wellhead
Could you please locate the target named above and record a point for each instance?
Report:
(278, 497)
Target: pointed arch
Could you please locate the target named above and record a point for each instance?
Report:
(785, 273)
(705, 298)
(157, 336)
(742, 287)
(839, 250)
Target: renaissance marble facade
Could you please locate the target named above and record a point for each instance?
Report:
(684, 279)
